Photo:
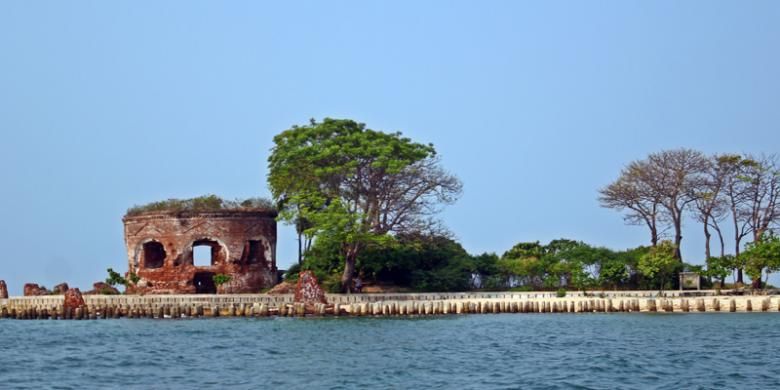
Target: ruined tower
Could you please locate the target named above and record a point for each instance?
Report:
(181, 252)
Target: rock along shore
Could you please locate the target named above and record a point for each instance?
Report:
(376, 305)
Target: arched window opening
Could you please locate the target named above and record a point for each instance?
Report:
(206, 253)
(154, 255)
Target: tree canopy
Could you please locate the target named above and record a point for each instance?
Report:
(659, 262)
(355, 186)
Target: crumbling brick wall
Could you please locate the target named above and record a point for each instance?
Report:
(242, 245)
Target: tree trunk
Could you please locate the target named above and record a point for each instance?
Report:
(736, 256)
(677, 239)
(722, 242)
(349, 270)
(300, 249)
(707, 236)
(654, 236)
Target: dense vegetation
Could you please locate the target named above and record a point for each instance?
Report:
(363, 202)
(737, 192)
(353, 188)
(200, 204)
(438, 263)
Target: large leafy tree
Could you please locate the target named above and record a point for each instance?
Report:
(356, 186)
(762, 257)
(660, 262)
(720, 267)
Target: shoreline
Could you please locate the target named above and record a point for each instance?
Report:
(380, 305)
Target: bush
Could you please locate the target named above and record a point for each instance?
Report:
(331, 283)
(220, 279)
(560, 293)
(292, 273)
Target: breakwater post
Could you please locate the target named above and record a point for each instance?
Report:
(375, 305)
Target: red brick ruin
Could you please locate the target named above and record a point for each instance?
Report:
(180, 253)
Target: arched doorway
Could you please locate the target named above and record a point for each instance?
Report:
(204, 283)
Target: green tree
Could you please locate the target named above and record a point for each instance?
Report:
(525, 249)
(560, 263)
(762, 257)
(720, 267)
(356, 186)
(659, 263)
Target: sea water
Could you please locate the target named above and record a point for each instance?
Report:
(529, 351)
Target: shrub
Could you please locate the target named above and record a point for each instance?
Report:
(115, 278)
(220, 279)
(560, 293)
(331, 283)
(291, 275)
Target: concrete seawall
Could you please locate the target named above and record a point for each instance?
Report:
(244, 305)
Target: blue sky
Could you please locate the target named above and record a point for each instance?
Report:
(534, 105)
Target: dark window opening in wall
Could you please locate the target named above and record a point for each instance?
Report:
(154, 255)
(255, 252)
(206, 253)
(204, 283)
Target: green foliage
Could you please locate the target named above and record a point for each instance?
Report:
(204, 203)
(525, 250)
(114, 278)
(353, 186)
(417, 262)
(220, 279)
(331, 283)
(561, 293)
(561, 263)
(422, 263)
(659, 262)
(762, 256)
(292, 273)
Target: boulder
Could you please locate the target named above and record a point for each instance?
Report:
(60, 288)
(32, 290)
(308, 291)
(3, 290)
(101, 288)
(73, 299)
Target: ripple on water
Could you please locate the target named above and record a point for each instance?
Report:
(597, 351)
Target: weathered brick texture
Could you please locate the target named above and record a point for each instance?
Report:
(242, 245)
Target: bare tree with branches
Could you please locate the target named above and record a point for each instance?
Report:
(710, 203)
(672, 175)
(762, 194)
(631, 192)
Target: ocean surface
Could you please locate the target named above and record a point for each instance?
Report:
(528, 351)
